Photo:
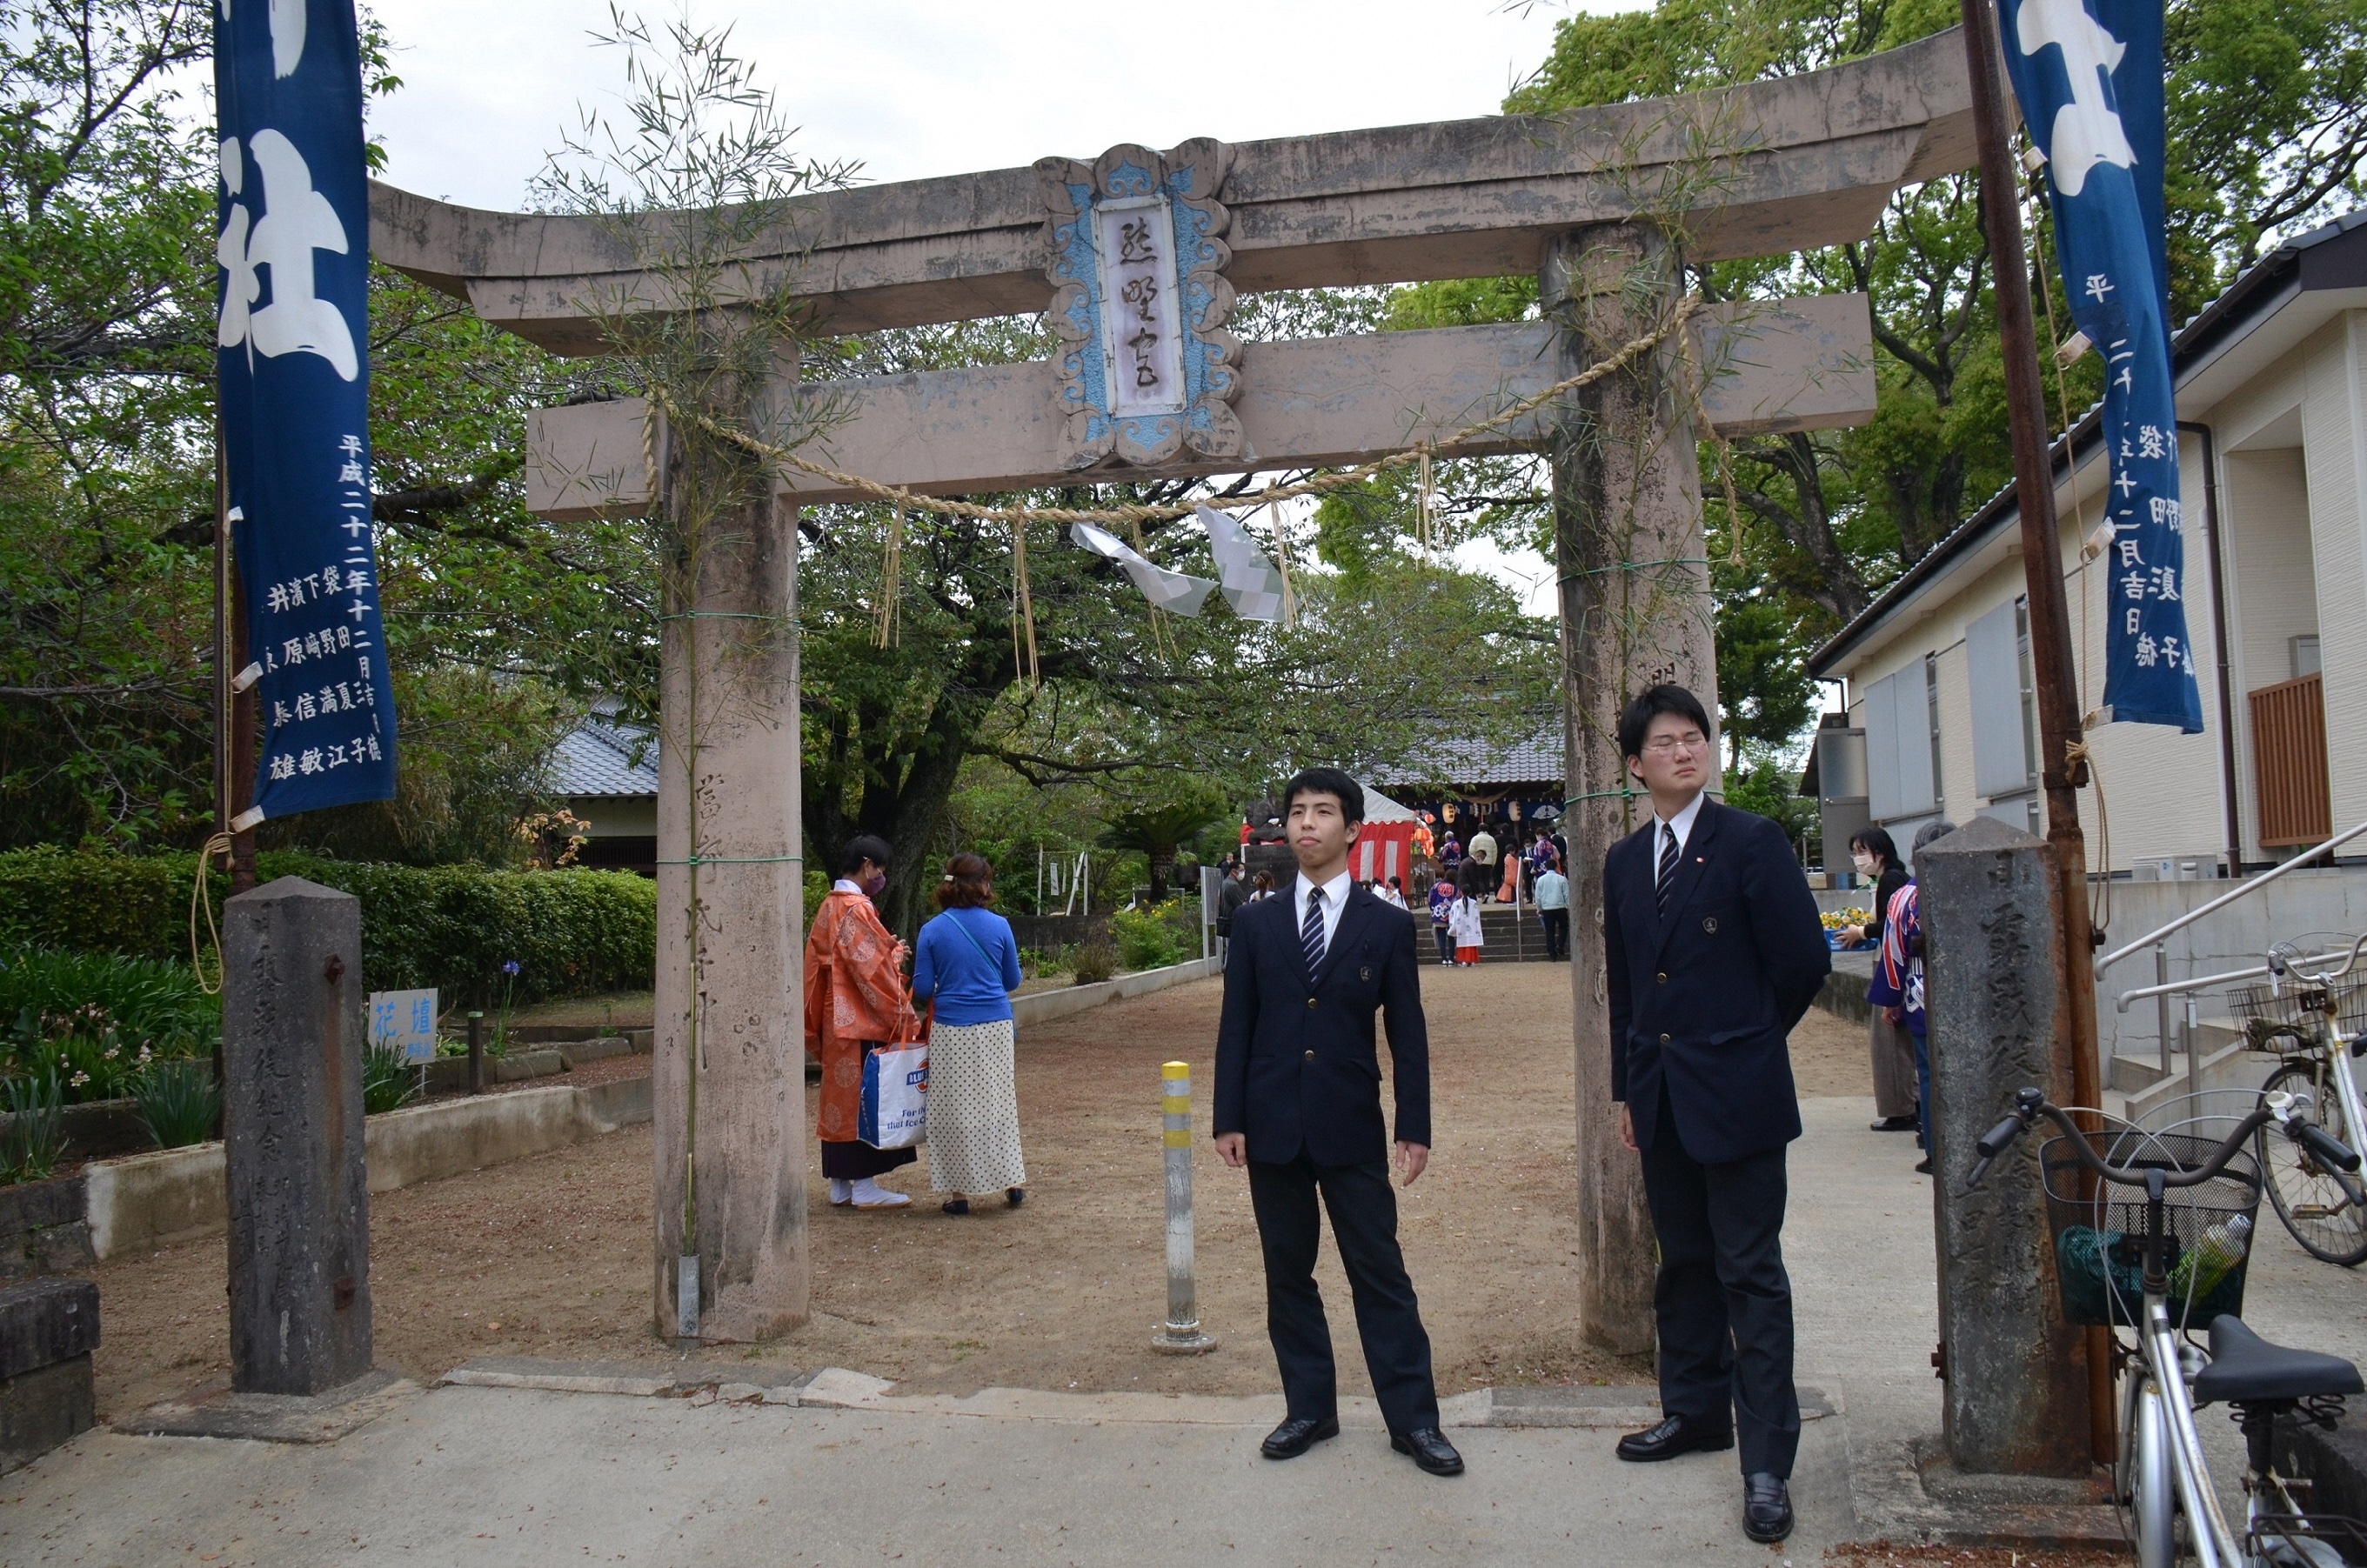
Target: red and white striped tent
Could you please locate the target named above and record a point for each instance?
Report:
(1384, 847)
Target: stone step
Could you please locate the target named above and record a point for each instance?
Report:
(2130, 1074)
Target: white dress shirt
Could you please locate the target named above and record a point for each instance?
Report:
(1335, 899)
(1679, 828)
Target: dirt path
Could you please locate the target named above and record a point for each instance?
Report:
(550, 1256)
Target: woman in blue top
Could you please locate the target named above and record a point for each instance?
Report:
(966, 962)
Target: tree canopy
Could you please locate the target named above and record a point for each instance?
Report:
(504, 627)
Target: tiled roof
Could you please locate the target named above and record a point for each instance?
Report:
(599, 758)
(1482, 764)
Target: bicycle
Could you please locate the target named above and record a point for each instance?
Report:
(2191, 1253)
(2323, 1209)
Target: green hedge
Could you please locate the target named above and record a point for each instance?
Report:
(572, 932)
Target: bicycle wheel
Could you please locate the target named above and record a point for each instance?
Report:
(2319, 1205)
(2146, 1489)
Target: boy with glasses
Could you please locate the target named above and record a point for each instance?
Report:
(1713, 950)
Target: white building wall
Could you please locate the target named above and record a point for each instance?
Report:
(2271, 590)
(1956, 798)
(2293, 470)
(2334, 441)
(2162, 789)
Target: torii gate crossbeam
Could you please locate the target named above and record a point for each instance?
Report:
(1762, 169)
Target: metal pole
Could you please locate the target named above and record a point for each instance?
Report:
(2161, 1005)
(2193, 1057)
(475, 1052)
(1179, 1335)
(2062, 767)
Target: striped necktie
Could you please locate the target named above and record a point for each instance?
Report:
(1667, 871)
(1310, 933)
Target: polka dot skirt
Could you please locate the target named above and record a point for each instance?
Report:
(973, 1108)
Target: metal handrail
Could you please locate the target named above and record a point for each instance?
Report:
(2246, 890)
(2205, 982)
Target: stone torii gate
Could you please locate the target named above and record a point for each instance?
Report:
(1582, 199)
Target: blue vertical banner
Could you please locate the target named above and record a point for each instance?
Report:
(2089, 80)
(292, 340)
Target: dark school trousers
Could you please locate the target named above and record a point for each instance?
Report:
(1388, 1319)
(1557, 928)
(1722, 1300)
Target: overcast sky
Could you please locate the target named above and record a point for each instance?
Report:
(917, 88)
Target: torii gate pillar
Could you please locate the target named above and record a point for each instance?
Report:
(1630, 553)
(728, 1089)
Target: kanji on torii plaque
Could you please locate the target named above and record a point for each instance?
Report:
(1136, 252)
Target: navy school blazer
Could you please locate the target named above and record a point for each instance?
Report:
(1297, 1066)
(1702, 1003)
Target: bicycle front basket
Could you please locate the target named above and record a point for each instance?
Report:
(2266, 1012)
(2099, 1227)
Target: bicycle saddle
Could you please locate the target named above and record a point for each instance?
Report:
(2245, 1366)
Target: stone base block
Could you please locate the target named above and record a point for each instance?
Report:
(2334, 1463)
(597, 1049)
(43, 1229)
(43, 1408)
(274, 1417)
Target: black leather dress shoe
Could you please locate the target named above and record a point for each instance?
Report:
(1766, 1507)
(1430, 1448)
(1297, 1435)
(1677, 1435)
(1899, 1124)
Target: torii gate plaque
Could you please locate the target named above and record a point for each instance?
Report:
(1579, 198)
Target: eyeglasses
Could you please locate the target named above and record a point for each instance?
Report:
(1670, 745)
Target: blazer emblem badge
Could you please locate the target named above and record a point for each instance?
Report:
(1709, 924)
(1364, 973)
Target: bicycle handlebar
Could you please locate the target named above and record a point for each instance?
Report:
(2030, 1104)
(2326, 1146)
(2280, 965)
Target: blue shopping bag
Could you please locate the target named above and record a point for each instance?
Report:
(895, 1113)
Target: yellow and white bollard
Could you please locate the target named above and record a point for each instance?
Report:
(1179, 1335)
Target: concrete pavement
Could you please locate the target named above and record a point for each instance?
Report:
(499, 1475)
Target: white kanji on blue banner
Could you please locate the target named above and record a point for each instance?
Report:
(2089, 80)
(291, 337)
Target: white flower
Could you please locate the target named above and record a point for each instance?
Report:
(79, 1079)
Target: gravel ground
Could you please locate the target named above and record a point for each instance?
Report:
(550, 1256)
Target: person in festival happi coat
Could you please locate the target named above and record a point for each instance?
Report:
(855, 1001)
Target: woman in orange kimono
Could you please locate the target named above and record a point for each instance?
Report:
(855, 1000)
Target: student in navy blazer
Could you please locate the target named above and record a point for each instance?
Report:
(1713, 950)
(1298, 1102)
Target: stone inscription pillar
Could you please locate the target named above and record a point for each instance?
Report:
(1635, 609)
(293, 1032)
(2017, 1384)
(729, 1078)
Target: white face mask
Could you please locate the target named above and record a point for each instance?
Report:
(1863, 861)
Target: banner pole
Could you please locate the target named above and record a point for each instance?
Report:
(2062, 767)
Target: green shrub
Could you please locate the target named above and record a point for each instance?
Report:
(1147, 938)
(147, 1001)
(388, 1081)
(179, 1102)
(572, 932)
(36, 1136)
(91, 1021)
